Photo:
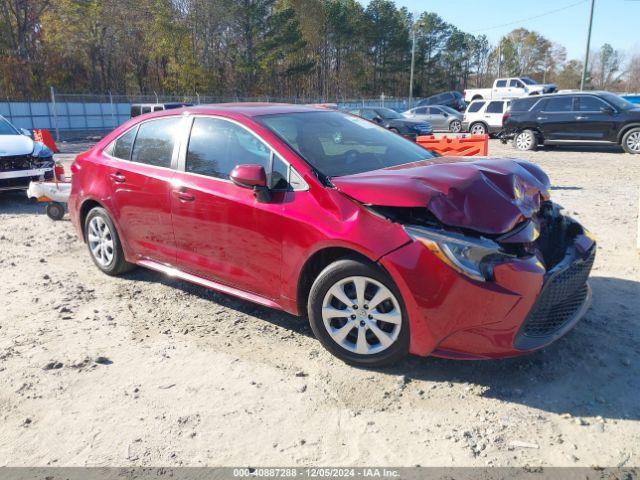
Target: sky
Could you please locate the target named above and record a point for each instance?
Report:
(614, 21)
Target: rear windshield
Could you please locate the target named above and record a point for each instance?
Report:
(523, 104)
(475, 106)
(6, 128)
(336, 144)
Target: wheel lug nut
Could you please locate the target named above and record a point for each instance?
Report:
(355, 307)
(370, 317)
(353, 317)
(366, 307)
(362, 324)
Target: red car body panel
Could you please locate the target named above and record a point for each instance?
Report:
(219, 235)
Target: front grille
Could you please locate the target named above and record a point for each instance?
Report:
(16, 162)
(564, 292)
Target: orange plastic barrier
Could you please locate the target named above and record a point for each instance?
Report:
(460, 146)
(43, 135)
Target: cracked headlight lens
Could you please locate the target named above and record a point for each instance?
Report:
(473, 257)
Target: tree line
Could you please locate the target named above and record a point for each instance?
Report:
(305, 49)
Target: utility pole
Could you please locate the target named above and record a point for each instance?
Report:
(586, 54)
(500, 58)
(413, 61)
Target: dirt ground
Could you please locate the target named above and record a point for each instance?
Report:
(147, 370)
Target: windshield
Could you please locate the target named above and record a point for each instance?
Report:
(387, 113)
(336, 144)
(528, 81)
(618, 101)
(6, 128)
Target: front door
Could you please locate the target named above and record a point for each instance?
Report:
(592, 123)
(140, 172)
(223, 233)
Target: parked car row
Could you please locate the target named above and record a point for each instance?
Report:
(577, 118)
(395, 122)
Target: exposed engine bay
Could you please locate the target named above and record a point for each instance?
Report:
(17, 171)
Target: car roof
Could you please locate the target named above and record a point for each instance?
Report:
(564, 94)
(253, 109)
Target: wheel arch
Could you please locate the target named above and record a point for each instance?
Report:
(318, 262)
(625, 129)
(486, 125)
(477, 97)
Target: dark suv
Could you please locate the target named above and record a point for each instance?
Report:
(573, 118)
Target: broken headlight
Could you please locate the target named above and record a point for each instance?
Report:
(473, 257)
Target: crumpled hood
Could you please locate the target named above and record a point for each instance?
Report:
(11, 145)
(490, 196)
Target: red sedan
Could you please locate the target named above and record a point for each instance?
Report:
(386, 248)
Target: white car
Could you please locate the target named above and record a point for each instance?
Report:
(22, 159)
(507, 88)
(484, 116)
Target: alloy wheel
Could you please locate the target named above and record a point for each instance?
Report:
(633, 142)
(100, 241)
(478, 129)
(524, 141)
(455, 126)
(362, 315)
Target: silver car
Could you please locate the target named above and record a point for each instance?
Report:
(441, 117)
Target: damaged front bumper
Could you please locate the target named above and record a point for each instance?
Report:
(525, 306)
(17, 172)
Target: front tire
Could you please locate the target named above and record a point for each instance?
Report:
(631, 141)
(356, 312)
(526, 140)
(104, 244)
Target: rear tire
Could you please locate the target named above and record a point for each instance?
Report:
(55, 210)
(526, 140)
(394, 130)
(455, 126)
(478, 128)
(104, 244)
(631, 141)
(371, 334)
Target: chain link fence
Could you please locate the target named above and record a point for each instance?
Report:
(77, 116)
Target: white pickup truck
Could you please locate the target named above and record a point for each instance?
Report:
(506, 88)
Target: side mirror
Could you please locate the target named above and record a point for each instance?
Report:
(445, 114)
(254, 177)
(608, 110)
(25, 132)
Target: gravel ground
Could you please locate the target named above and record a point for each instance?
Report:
(147, 370)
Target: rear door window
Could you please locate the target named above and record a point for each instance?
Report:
(475, 106)
(121, 148)
(156, 142)
(495, 107)
(523, 104)
(420, 111)
(559, 105)
(501, 83)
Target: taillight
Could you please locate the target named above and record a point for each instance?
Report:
(505, 117)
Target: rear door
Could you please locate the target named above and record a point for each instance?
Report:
(140, 169)
(223, 233)
(515, 89)
(556, 118)
(499, 89)
(437, 118)
(493, 113)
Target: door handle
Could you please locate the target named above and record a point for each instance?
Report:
(580, 117)
(184, 196)
(541, 118)
(117, 177)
